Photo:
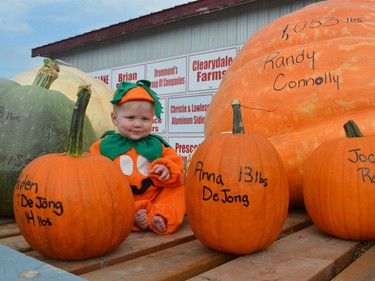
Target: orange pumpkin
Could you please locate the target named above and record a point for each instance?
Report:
(339, 182)
(34, 120)
(70, 78)
(73, 205)
(314, 68)
(236, 191)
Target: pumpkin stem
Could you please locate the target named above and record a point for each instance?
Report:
(352, 130)
(75, 144)
(47, 74)
(237, 118)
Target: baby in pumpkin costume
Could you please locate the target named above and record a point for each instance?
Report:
(154, 169)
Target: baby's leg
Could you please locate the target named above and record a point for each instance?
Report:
(141, 219)
(159, 223)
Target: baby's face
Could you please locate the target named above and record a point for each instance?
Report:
(134, 119)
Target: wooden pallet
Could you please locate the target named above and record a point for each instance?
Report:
(302, 252)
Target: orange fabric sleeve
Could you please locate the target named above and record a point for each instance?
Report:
(175, 165)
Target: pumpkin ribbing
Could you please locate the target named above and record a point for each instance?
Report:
(236, 191)
(339, 185)
(35, 121)
(80, 192)
(70, 78)
(314, 66)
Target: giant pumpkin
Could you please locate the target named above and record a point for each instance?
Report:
(315, 69)
(73, 205)
(33, 121)
(339, 184)
(236, 191)
(70, 78)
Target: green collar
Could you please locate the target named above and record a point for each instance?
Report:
(114, 144)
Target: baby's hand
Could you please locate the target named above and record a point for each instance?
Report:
(161, 170)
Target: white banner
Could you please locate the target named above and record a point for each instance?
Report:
(207, 69)
(127, 73)
(168, 76)
(185, 146)
(186, 114)
(158, 125)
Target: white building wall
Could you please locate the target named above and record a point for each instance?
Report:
(217, 35)
(232, 26)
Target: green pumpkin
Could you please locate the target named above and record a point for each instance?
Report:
(33, 121)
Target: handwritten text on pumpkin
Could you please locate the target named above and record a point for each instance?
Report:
(246, 175)
(28, 198)
(358, 156)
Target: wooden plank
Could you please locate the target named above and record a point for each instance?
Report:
(180, 262)
(136, 244)
(8, 230)
(307, 254)
(297, 219)
(17, 243)
(177, 263)
(17, 266)
(362, 269)
(143, 243)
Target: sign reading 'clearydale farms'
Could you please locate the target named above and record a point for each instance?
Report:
(207, 69)
(185, 86)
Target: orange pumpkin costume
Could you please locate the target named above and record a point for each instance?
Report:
(137, 158)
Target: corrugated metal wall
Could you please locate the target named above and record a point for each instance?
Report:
(228, 27)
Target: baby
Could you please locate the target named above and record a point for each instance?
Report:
(153, 168)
